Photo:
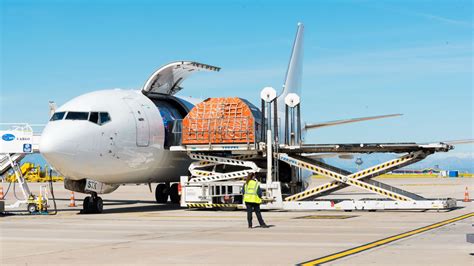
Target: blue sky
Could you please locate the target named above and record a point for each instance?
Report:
(361, 58)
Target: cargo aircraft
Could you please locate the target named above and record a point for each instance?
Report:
(103, 139)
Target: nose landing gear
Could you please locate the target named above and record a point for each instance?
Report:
(92, 204)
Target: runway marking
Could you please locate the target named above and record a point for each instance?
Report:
(381, 242)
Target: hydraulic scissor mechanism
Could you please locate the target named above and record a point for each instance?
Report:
(205, 168)
(215, 179)
(360, 179)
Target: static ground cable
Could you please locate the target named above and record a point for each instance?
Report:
(51, 190)
(6, 191)
(14, 191)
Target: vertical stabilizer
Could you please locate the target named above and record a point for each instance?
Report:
(295, 69)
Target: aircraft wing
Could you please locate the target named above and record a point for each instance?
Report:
(457, 142)
(168, 78)
(350, 148)
(347, 121)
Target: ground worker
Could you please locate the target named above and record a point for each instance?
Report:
(253, 199)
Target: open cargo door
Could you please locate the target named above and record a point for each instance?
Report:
(168, 78)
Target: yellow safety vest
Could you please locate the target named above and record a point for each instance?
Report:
(250, 192)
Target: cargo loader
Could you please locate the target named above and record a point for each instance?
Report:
(228, 138)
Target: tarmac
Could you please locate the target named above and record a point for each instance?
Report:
(135, 230)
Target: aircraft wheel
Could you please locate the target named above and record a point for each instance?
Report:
(98, 205)
(86, 205)
(161, 193)
(92, 205)
(174, 194)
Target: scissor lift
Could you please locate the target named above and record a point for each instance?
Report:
(216, 176)
(211, 189)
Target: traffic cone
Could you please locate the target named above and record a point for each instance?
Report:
(72, 203)
(1, 192)
(466, 196)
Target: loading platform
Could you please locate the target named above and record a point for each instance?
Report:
(220, 164)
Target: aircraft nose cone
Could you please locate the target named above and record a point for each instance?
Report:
(52, 141)
(56, 147)
(47, 144)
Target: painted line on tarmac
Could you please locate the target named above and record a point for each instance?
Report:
(382, 242)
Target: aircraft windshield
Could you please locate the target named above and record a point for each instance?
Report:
(77, 116)
(94, 117)
(57, 116)
(98, 118)
(104, 118)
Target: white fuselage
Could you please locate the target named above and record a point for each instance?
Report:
(127, 149)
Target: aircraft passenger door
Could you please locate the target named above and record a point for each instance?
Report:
(141, 122)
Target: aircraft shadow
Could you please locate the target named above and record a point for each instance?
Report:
(124, 206)
(148, 208)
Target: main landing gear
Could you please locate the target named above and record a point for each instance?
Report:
(92, 204)
(165, 191)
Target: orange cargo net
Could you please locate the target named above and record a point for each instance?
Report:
(219, 121)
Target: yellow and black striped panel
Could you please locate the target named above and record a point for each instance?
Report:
(358, 175)
(243, 157)
(381, 167)
(213, 205)
(378, 190)
(339, 177)
(204, 163)
(201, 173)
(221, 160)
(312, 192)
(221, 177)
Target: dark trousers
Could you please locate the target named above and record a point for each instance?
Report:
(256, 208)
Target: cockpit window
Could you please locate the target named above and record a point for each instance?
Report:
(104, 118)
(57, 116)
(77, 116)
(99, 118)
(94, 117)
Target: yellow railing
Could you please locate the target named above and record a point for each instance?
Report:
(33, 173)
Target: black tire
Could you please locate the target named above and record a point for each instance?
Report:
(87, 205)
(161, 193)
(91, 205)
(174, 194)
(32, 208)
(99, 205)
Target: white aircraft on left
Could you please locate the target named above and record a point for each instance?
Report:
(102, 139)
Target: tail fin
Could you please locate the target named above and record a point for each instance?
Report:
(295, 68)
